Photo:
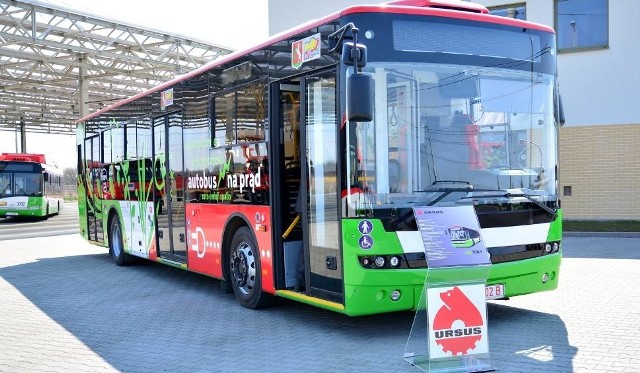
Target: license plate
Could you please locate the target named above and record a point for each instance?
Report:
(495, 291)
(12, 214)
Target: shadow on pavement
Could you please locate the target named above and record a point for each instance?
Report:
(153, 317)
(23, 219)
(525, 340)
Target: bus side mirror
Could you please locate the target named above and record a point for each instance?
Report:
(360, 98)
(351, 54)
(359, 85)
(559, 112)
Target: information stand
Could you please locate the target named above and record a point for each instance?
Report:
(449, 331)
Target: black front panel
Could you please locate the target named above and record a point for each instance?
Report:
(413, 38)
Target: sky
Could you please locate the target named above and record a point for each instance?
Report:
(234, 24)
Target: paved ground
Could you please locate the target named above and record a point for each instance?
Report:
(66, 222)
(64, 307)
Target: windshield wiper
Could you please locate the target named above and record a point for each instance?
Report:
(529, 197)
(543, 206)
(467, 185)
(444, 187)
(443, 192)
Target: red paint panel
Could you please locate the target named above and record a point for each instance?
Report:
(204, 238)
(153, 249)
(205, 223)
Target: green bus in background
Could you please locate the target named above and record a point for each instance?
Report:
(29, 186)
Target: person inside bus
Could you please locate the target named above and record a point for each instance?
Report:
(455, 146)
(449, 148)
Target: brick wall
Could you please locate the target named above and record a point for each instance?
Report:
(602, 166)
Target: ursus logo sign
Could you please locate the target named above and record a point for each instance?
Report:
(457, 321)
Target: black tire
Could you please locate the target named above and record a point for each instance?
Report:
(116, 243)
(46, 213)
(244, 271)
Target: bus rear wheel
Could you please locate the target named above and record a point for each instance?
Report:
(116, 243)
(244, 271)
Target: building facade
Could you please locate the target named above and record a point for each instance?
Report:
(599, 150)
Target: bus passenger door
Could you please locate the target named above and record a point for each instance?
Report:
(319, 159)
(305, 194)
(286, 187)
(175, 187)
(92, 180)
(167, 165)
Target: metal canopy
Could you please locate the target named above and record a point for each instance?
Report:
(57, 65)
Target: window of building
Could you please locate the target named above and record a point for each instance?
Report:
(517, 11)
(582, 24)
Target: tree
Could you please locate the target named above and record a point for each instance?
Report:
(69, 176)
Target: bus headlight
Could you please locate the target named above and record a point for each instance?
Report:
(394, 261)
(555, 247)
(547, 248)
(395, 295)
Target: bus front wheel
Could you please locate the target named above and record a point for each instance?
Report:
(244, 270)
(116, 244)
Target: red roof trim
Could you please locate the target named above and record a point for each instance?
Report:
(443, 4)
(438, 12)
(23, 157)
(392, 9)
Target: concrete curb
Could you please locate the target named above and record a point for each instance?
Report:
(602, 234)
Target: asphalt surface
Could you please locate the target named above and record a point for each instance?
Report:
(64, 306)
(66, 222)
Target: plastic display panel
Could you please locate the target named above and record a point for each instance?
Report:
(449, 331)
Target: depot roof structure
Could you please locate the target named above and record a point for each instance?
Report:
(58, 65)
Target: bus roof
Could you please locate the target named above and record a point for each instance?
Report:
(23, 157)
(31, 158)
(440, 8)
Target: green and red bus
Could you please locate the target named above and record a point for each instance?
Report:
(291, 169)
(29, 186)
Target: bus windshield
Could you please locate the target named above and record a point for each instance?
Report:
(478, 130)
(20, 180)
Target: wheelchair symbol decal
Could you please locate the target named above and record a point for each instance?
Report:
(366, 242)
